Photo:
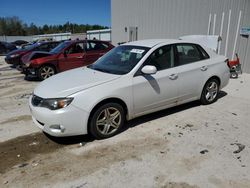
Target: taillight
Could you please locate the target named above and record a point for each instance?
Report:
(227, 62)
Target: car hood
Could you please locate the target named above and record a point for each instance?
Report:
(35, 55)
(70, 82)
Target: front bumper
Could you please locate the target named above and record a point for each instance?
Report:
(13, 61)
(28, 71)
(68, 121)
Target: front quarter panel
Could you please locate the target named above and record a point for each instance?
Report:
(119, 89)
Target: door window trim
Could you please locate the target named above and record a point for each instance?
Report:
(197, 47)
(139, 73)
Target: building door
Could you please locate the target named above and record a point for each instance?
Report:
(133, 33)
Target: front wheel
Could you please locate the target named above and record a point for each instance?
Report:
(210, 92)
(107, 120)
(45, 72)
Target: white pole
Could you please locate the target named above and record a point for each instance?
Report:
(236, 36)
(214, 24)
(221, 30)
(228, 27)
(209, 24)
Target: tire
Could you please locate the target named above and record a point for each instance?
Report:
(45, 72)
(210, 92)
(107, 120)
(234, 75)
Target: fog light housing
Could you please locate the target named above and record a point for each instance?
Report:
(57, 128)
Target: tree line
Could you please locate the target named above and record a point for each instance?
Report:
(14, 26)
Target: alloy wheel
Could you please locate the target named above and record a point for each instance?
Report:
(47, 71)
(211, 91)
(108, 121)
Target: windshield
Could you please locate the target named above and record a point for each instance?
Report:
(60, 47)
(120, 60)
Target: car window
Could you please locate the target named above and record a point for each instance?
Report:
(120, 60)
(162, 58)
(203, 52)
(60, 47)
(187, 53)
(76, 48)
(43, 47)
(97, 46)
(53, 45)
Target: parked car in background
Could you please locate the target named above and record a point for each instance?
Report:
(6, 47)
(67, 55)
(19, 43)
(131, 80)
(14, 57)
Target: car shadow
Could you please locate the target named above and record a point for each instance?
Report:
(166, 112)
(70, 140)
(83, 139)
(32, 78)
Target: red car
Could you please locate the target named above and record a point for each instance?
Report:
(67, 55)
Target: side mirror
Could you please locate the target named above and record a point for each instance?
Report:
(149, 69)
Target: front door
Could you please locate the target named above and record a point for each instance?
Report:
(73, 57)
(157, 91)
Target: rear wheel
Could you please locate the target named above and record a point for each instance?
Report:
(210, 92)
(234, 75)
(46, 71)
(107, 120)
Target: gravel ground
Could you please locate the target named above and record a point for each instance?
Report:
(190, 146)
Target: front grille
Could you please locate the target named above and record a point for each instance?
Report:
(36, 100)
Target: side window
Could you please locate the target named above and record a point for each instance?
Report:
(97, 46)
(43, 47)
(88, 47)
(203, 52)
(53, 45)
(76, 48)
(187, 53)
(162, 58)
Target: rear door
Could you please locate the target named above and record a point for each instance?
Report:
(94, 50)
(191, 67)
(73, 57)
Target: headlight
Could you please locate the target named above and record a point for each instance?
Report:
(14, 55)
(27, 64)
(52, 104)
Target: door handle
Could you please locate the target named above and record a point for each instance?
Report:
(79, 57)
(173, 76)
(204, 68)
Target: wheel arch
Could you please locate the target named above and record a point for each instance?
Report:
(212, 77)
(105, 101)
(49, 64)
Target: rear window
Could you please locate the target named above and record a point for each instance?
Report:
(203, 52)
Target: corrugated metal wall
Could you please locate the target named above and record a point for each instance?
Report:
(175, 18)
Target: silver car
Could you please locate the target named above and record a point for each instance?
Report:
(132, 80)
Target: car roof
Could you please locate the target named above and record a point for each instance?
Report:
(153, 42)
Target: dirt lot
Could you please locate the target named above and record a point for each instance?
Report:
(189, 146)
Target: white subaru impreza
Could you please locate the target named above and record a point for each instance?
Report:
(131, 80)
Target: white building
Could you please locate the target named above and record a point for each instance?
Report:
(145, 19)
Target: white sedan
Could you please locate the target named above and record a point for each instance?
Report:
(131, 80)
